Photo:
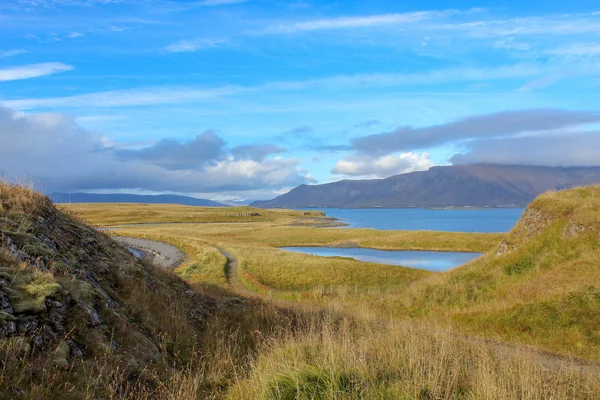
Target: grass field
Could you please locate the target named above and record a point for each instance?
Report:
(537, 285)
(263, 265)
(110, 214)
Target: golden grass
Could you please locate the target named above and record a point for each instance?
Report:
(287, 271)
(21, 199)
(405, 361)
(110, 214)
(277, 235)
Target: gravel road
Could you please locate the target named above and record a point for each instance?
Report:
(162, 254)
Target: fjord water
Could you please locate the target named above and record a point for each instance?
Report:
(436, 261)
(476, 220)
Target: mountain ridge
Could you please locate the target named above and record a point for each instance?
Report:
(472, 185)
(58, 197)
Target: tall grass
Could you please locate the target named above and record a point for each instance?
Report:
(406, 361)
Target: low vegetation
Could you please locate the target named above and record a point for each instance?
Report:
(82, 318)
(110, 214)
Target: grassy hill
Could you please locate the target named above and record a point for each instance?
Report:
(540, 285)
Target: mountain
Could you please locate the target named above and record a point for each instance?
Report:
(477, 185)
(132, 198)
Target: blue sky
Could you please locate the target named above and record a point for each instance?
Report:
(245, 99)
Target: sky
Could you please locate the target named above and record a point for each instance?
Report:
(244, 100)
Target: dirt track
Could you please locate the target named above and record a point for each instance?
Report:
(162, 254)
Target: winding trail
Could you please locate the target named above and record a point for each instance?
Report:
(232, 274)
(163, 254)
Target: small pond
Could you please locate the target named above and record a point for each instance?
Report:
(429, 260)
(136, 252)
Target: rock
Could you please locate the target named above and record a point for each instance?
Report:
(572, 230)
(505, 248)
(8, 329)
(37, 341)
(94, 318)
(5, 304)
(28, 324)
(57, 313)
(74, 350)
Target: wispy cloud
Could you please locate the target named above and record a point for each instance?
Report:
(37, 4)
(576, 50)
(553, 25)
(186, 46)
(124, 98)
(33, 71)
(12, 53)
(74, 35)
(213, 3)
(145, 96)
(541, 83)
(355, 22)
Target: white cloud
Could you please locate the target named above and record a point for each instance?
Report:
(124, 98)
(577, 50)
(74, 35)
(553, 25)
(12, 53)
(185, 46)
(384, 166)
(510, 44)
(213, 3)
(32, 71)
(541, 82)
(355, 22)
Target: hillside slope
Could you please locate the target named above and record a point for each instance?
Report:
(451, 186)
(74, 302)
(132, 198)
(541, 285)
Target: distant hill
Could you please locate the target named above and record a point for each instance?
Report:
(451, 186)
(132, 198)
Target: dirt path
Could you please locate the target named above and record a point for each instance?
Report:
(162, 254)
(231, 271)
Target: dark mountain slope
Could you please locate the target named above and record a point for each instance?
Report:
(451, 186)
(132, 198)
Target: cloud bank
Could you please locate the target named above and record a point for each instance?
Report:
(548, 137)
(501, 124)
(567, 149)
(59, 155)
